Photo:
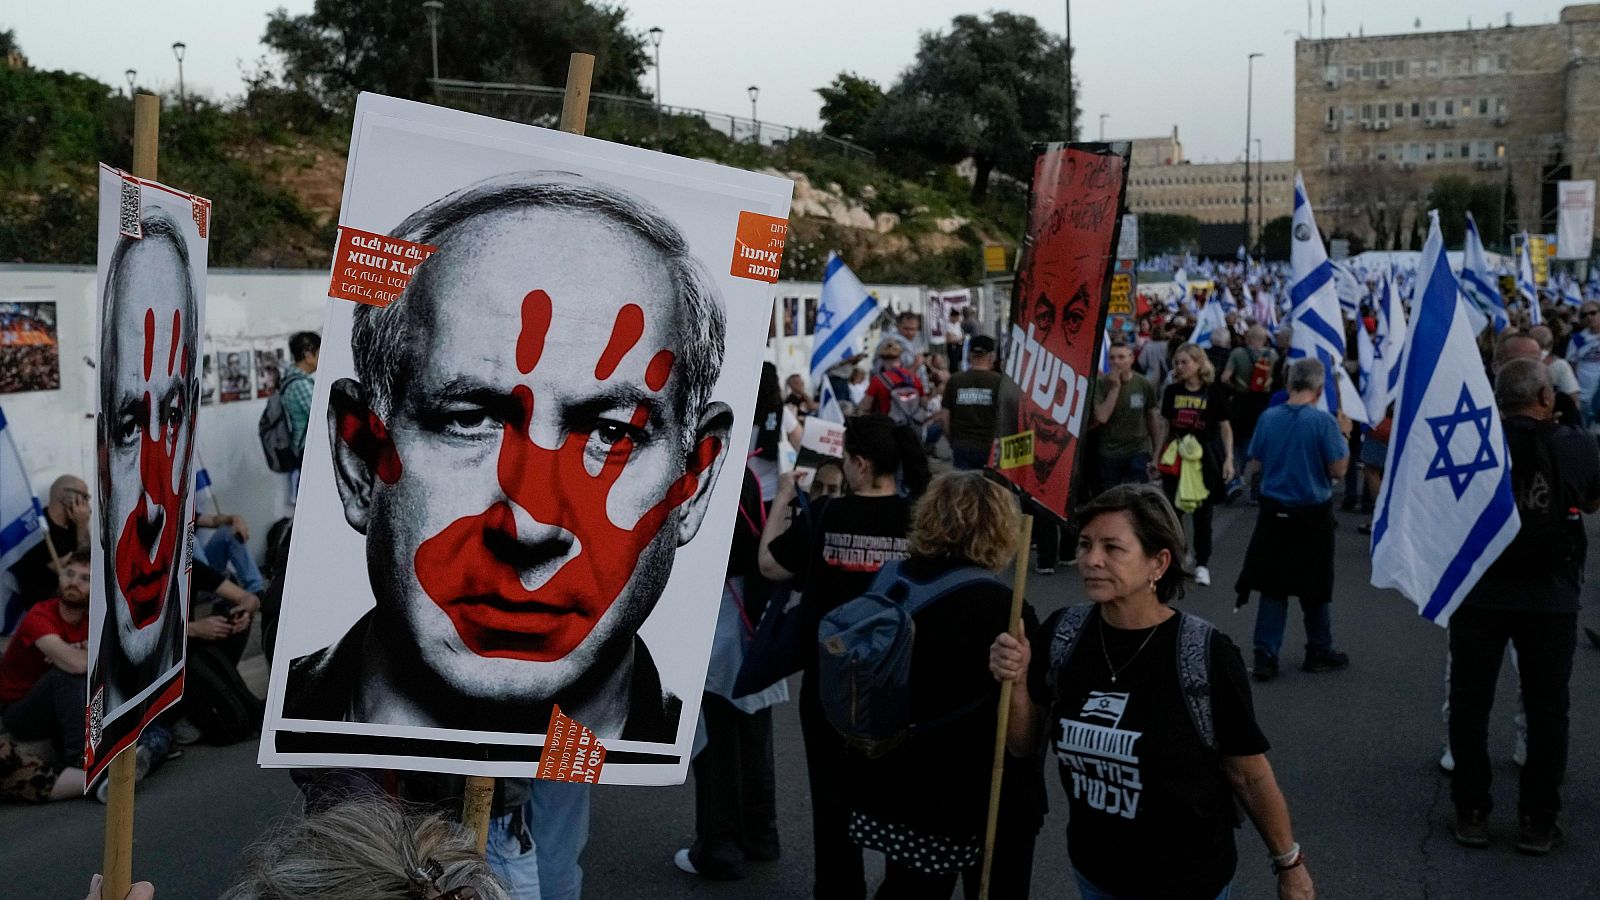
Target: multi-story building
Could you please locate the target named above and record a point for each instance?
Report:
(1161, 180)
(1380, 118)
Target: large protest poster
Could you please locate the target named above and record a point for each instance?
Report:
(1058, 311)
(539, 359)
(150, 288)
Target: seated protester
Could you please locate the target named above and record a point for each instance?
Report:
(28, 778)
(42, 685)
(216, 700)
(67, 517)
(228, 549)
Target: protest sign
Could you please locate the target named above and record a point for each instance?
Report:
(524, 499)
(150, 292)
(820, 442)
(1058, 311)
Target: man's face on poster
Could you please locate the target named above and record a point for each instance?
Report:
(151, 427)
(538, 469)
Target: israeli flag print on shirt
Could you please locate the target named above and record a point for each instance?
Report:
(1446, 510)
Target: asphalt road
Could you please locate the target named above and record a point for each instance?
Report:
(1356, 753)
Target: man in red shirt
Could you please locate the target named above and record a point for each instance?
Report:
(42, 673)
(895, 391)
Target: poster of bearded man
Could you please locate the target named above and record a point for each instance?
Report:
(532, 404)
(150, 288)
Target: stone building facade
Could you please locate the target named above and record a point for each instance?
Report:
(1161, 180)
(1379, 118)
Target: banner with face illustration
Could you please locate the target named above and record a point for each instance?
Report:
(1058, 311)
(150, 291)
(537, 373)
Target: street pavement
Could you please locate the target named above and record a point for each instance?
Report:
(1356, 753)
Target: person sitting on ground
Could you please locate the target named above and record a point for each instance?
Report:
(42, 673)
(367, 848)
(228, 549)
(799, 397)
(67, 517)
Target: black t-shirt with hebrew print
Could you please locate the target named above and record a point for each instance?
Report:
(1152, 812)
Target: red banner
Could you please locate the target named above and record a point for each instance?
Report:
(1058, 310)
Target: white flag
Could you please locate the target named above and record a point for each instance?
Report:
(1446, 511)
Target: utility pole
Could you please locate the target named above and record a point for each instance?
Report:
(1103, 117)
(433, 8)
(1261, 165)
(1069, 69)
(655, 42)
(178, 47)
(1248, 90)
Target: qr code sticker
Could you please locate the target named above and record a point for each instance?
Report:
(128, 213)
(200, 208)
(97, 709)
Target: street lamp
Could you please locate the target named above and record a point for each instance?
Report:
(178, 47)
(433, 9)
(755, 120)
(131, 74)
(1261, 167)
(1103, 117)
(655, 43)
(1069, 68)
(1249, 88)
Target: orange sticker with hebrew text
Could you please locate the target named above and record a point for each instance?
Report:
(571, 751)
(374, 268)
(758, 247)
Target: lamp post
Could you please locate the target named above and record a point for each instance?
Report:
(131, 75)
(655, 43)
(754, 119)
(178, 47)
(1249, 86)
(1069, 69)
(1103, 117)
(433, 9)
(1261, 166)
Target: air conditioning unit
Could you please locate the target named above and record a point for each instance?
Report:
(1500, 120)
(1330, 83)
(1381, 125)
(1366, 125)
(1429, 123)
(1333, 168)
(1447, 123)
(1330, 126)
(1408, 166)
(1383, 82)
(1493, 163)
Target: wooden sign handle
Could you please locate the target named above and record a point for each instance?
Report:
(1019, 588)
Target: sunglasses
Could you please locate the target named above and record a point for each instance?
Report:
(1589, 312)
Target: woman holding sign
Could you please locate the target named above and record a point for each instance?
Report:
(1150, 715)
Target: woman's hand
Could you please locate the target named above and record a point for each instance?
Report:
(1295, 884)
(1009, 657)
(1227, 468)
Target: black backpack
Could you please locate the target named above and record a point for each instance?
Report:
(277, 432)
(1552, 532)
(216, 699)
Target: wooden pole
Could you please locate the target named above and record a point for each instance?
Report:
(1019, 588)
(117, 862)
(479, 799)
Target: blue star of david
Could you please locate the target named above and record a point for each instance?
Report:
(1444, 429)
(824, 318)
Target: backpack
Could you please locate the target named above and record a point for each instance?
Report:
(1194, 663)
(905, 401)
(217, 700)
(1552, 534)
(1261, 374)
(277, 432)
(864, 658)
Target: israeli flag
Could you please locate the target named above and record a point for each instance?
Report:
(1380, 353)
(828, 403)
(1350, 289)
(1526, 288)
(1228, 303)
(1484, 305)
(1105, 352)
(204, 497)
(844, 313)
(1446, 510)
(1210, 321)
(1572, 293)
(21, 524)
(1314, 302)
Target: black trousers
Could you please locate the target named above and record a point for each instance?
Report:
(52, 708)
(1545, 643)
(1202, 520)
(735, 801)
(837, 860)
(903, 883)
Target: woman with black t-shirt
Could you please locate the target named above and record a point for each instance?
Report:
(1194, 404)
(1150, 715)
(835, 554)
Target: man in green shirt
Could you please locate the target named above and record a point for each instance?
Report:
(1127, 422)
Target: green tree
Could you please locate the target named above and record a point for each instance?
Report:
(1166, 233)
(848, 104)
(1275, 237)
(1454, 196)
(988, 89)
(345, 46)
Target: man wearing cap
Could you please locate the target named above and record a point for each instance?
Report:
(972, 402)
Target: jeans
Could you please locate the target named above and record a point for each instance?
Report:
(838, 868)
(511, 854)
(735, 799)
(965, 458)
(1545, 643)
(560, 826)
(1134, 469)
(1087, 890)
(52, 708)
(224, 551)
(1273, 615)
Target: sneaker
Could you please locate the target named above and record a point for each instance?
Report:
(141, 767)
(1471, 828)
(1044, 570)
(1202, 576)
(681, 860)
(1539, 835)
(184, 732)
(1265, 669)
(1519, 754)
(1330, 661)
(1447, 761)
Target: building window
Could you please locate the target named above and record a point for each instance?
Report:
(1449, 107)
(1333, 114)
(1349, 113)
(1332, 73)
(1366, 111)
(1433, 108)
(1483, 106)
(1485, 64)
(1449, 151)
(1352, 73)
(1466, 106)
(1433, 68)
(1412, 153)
(1416, 108)
(1503, 62)
(1369, 69)
(1415, 68)
(1385, 68)
(1381, 153)
(1399, 68)
(1466, 150)
(1383, 110)
(1499, 106)
(1428, 152)
(1334, 156)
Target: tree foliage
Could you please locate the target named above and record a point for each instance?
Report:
(1275, 237)
(1167, 233)
(848, 105)
(345, 46)
(987, 89)
(1456, 195)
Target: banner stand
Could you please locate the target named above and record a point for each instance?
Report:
(1019, 589)
(479, 799)
(117, 861)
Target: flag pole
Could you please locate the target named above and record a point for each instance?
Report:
(117, 861)
(1019, 588)
(479, 799)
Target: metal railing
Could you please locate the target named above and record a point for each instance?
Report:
(622, 117)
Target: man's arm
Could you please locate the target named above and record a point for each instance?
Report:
(72, 659)
(297, 404)
(777, 523)
(1106, 407)
(1156, 426)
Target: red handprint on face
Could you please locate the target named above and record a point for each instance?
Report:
(465, 568)
(149, 540)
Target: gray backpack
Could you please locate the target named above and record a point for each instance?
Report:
(277, 432)
(1194, 663)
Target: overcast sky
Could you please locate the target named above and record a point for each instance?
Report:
(1149, 64)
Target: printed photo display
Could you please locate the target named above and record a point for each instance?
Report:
(150, 290)
(534, 393)
(1058, 311)
(233, 370)
(30, 353)
(272, 358)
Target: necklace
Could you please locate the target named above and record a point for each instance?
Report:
(1115, 671)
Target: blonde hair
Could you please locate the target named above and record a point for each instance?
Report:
(365, 848)
(964, 515)
(1208, 372)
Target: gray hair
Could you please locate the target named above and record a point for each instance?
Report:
(364, 848)
(1306, 375)
(1519, 384)
(379, 335)
(1543, 335)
